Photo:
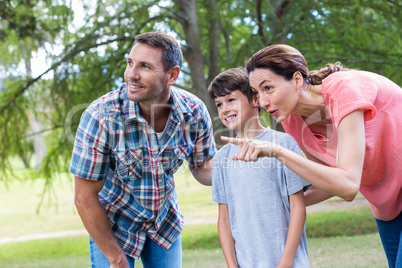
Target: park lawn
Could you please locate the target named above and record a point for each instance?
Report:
(342, 251)
(18, 216)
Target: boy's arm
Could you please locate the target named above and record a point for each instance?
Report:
(295, 231)
(225, 236)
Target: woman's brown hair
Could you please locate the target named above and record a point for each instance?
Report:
(285, 60)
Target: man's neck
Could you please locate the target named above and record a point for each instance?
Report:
(157, 116)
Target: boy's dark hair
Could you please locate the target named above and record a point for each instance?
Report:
(229, 81)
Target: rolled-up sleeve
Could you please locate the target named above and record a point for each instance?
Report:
(91, 153)
(204, 145)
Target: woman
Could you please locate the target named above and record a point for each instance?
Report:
(348, 124)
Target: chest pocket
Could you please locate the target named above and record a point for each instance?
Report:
(129, 167)
(173, 157)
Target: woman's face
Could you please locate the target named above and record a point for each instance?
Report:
(275, 94)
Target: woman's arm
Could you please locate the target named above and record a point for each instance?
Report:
(342, 180)
(315, 195)
(295, 231)
(225, 236)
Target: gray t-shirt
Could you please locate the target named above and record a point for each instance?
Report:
(257, 195)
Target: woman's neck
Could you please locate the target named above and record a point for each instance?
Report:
(315, 113)
(311, 101)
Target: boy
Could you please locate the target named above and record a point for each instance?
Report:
(261, 204)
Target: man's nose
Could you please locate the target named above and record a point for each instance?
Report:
(133, 73)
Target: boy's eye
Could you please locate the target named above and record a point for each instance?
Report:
(218, 105)
(230, 100)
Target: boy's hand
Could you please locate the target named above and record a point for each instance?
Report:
(252, 149)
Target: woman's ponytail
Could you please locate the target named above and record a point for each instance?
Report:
(315, 77)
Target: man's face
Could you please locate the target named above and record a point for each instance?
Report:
(145, 77)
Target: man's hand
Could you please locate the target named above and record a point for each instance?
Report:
(122, 263)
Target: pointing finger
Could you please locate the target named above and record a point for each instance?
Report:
(232, 140)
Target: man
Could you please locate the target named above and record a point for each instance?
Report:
(128, 145)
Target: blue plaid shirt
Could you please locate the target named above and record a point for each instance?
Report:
(114, 143)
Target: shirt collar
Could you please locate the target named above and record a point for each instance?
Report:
(179, 106)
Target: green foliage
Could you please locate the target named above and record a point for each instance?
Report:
(363, 34)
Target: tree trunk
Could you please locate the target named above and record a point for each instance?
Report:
(36, 126)
(38, 141)
(193, 54)
(214, 38)
(278, 26)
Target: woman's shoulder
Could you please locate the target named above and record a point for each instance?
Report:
(355, 77)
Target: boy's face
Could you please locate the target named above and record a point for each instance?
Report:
(235, 110)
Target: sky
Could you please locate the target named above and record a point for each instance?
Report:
(38, 60)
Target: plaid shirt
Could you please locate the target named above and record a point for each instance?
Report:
(114, 143)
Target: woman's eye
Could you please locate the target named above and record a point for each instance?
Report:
(268, 88)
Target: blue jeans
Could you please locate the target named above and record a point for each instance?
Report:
(152, 256)
(391, 238)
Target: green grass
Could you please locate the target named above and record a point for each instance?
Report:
(202, 236)
(347, 251)
(345, 222)
(355, 251)
(19, 204)
(340, 238)
(60, 252)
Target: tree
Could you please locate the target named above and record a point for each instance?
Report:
(214, 35)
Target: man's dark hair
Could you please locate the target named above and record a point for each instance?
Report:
(171, 55)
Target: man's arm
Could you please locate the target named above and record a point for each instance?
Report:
(96, 221)
(202, 173)
(295, 231)
(225, 236)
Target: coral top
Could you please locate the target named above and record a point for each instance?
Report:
(381, 100)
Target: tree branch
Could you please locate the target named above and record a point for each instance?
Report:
(47, 129)
(74, 51)
(175, 15)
